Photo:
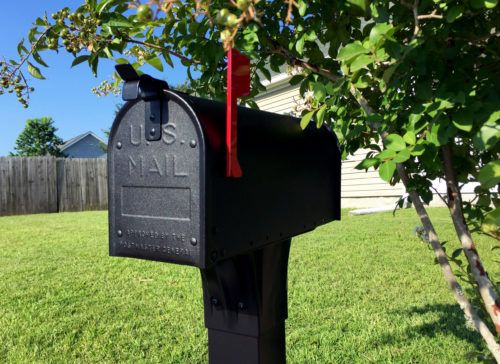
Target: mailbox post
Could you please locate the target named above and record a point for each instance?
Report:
(170, 200)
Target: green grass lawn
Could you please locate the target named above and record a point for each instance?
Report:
(360, 290)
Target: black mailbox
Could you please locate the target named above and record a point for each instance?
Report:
(170, 200)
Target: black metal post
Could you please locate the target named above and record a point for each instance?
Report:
(245, 299)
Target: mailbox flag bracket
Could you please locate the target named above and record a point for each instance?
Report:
(150, 90)
(238, 85)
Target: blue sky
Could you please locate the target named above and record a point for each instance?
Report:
(65, 94)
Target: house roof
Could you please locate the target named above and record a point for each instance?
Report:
(76, 139)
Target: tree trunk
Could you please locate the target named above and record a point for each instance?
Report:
(442, 259)
(449, 276)
(486, 288)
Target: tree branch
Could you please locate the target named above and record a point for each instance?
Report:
(432, 15)
(449, 276)
(293, 60)
(155, 46)
(486, 288)
(440, 196)
(441, 257)
(416, 30)
(33, 48)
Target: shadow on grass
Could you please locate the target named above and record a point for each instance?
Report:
(450, 320)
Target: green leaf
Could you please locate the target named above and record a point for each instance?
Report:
(456, 253)
(119, 22)
(386, 170)
(484, 200)
(104, 4)
(410, 138)
(120, 60)
(79, 60)
(266, 73)
(319, 91)
(362, 82)
(295, 80)
(92, 4)
(402, 156)
(39, 21)
(386, 154)
(31, 34)
(491, 222)
(320, 116)
(441, 132)
(360, 62)
(394, 142)
(299, 46)
(108, 52)
(386, 77)
(306, 119)
(489, 175)
(38, 59)
(167, 58)
(454, 13)
(94, 63)
(418, 150)
(35, 72)
(351, 50)
(463, 120)
(490, 4)
(489, 134)
(21, 47)
(367, 163)
(359, 5)
(379, 31)
(302, 7)
(156, 63)
(311, 35)
(414, 118)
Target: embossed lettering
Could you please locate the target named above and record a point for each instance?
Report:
(132, 165)
(136, 141)
(155, 247)
(167, 165)
(169, 137)
(156, 167)
(176, 172)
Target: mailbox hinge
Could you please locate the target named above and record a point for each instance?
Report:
(150, 90)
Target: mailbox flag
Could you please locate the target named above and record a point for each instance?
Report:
(238, 85)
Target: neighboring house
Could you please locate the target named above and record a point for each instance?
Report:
(86, 145)
(358, 188)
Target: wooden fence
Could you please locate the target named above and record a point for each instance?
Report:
(47, 184)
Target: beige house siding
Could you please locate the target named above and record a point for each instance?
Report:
(280, 101)
(359, 188)
(366, 189)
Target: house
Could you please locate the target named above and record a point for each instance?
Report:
(358, 188)
(86, 145)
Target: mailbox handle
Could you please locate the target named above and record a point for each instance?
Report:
(150, 90)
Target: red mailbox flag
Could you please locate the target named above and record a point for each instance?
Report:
(238, 85)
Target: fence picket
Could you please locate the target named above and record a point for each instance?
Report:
(49, 184)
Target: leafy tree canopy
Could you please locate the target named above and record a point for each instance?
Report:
(38, 138)
(414, 82)
(425, 72)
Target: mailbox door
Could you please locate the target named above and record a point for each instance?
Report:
(156, 188)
